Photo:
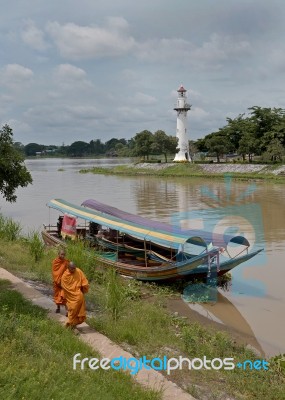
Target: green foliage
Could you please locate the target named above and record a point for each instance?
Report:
(32, 148)
(274, 151)
(9, 229)
(143, 143)
(163, 144)
(115, 294)
(218, 144)
(79, 253)
(249, 135)
(78, 149)
(13, 172)
(36, 246)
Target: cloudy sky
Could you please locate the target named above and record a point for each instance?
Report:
(82, 70)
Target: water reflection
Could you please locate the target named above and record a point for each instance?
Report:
(224, 312)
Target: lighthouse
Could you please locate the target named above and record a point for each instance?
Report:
(182, 108)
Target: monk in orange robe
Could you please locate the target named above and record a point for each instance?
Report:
(74, 285)
(59, 265)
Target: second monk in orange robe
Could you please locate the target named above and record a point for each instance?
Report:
(74, 285)
(59, 265)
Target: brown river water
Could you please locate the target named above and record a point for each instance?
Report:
(254, 304)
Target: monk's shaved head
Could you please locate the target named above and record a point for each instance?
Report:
(61, 253)
(72, 266)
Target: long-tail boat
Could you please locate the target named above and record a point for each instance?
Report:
(141, 248)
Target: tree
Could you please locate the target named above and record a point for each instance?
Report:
(275, 151)
(97, 147)
(248, 143)
(193, 149)
(163, 144)
(143, 142)
(13, 172)
(122, 150)
(218, 144)
(110, 145)
(32, 148)
(268, 122)
(78, 149)
(201, 145)
(19, 147)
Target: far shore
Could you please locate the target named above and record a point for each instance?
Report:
(272, 172)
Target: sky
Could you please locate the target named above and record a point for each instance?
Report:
(90, 70)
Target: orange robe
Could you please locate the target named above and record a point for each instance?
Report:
(58, 268)
(74, 285)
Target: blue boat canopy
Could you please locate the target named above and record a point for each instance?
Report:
(208, 237)
(143, 228)
(150, 234)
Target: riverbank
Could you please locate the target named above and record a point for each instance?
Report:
(137, 317)
(37, 352)
(237, 171)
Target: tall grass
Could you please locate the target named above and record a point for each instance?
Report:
(9, 229)
(36, 246)
(115, 294)
(82, 256)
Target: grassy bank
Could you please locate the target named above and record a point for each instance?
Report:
(36, 359)
(185, 170)
(135, 315)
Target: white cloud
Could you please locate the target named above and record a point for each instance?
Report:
(221, 48)
(84, 112)
(87, 42)
(210, 54)
(19, 127)
(129, 114)
(62, 115)
(198, 114)
(68, 76)
(15, 76)
(34, 37)
(171, 50)
(144, 99)
(86, 64)
(69, 71)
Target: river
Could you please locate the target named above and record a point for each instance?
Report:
(257, 294)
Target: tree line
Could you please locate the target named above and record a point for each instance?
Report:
(260, 133)
(143, 144)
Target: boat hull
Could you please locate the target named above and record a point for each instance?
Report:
(196, 267)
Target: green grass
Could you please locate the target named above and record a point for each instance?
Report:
(9, 229)
(186, 170)
(134, 315)
(146, 328)
(36, 246)
(36, 359)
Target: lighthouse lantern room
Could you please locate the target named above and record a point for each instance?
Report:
(182, 108)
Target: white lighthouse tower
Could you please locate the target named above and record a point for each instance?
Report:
(181, 130)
